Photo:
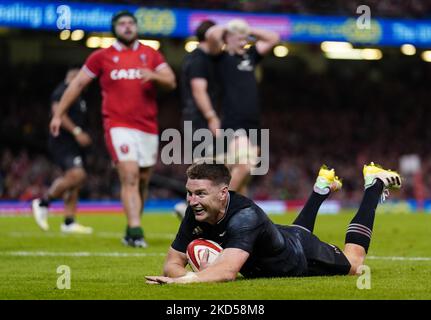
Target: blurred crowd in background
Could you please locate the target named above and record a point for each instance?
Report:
(382, 8)
(346, 115)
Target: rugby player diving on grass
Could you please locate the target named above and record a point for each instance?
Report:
(256, 247)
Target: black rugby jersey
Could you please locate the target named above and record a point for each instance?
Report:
(274, 250)
(77, 113)
(196, 64)
(240, 99)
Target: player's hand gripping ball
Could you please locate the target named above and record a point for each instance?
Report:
(197, 251)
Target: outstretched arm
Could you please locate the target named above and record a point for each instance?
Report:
(265, 40)
(224, 268)
(175, 264)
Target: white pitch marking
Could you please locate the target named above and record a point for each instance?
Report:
(147, 234)
(49, 234)
(78, 254)
(400, 258)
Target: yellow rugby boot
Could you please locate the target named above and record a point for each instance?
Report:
(327, 180)
(391, 179)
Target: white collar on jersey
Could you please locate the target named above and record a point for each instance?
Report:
(119, 47)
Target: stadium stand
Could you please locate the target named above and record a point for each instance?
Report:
(395, 8)
(310, 123)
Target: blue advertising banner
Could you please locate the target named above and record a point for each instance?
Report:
(91, 17)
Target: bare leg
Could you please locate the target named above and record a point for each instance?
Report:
(73, 178)
(245, 156)
(128, 172)
(66, 187)
(144, 180)
(356, 255)
(359, 232)
(240, 177)
(70, 202)
(61, 187)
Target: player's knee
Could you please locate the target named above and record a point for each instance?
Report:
(129, 174)
(82, 177)
(129, 179)
(77, 176)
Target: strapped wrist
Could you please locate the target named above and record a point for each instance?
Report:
(77, 130)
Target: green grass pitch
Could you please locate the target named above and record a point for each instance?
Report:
(101, 268)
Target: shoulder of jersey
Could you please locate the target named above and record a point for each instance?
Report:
(101, 51)
(145, 47)
(238, 202)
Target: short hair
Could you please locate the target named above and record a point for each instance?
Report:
(218, 173)
(118, 15)
(202, 29)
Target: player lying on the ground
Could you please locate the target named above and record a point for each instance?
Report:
(256, 247)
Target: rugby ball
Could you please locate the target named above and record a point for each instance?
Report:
(196, 250)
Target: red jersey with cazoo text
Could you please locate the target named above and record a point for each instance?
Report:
(127, 102)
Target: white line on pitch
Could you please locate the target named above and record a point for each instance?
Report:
(78, 254)
(49, 234)
(400, 258)
(147, 234)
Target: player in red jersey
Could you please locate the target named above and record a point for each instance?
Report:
(128, 73)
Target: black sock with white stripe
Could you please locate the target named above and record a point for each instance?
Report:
(307, 216)
(361, 228)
